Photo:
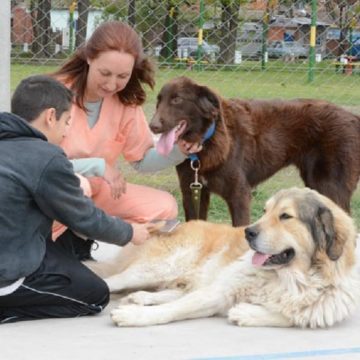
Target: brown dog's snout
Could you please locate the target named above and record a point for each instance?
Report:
(155, 125)
(251, 233)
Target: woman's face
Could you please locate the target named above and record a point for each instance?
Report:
(108, 74)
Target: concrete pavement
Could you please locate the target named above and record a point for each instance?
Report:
(96, 338)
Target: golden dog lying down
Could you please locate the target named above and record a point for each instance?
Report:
(299, 270)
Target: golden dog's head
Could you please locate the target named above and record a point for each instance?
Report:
(302, 228)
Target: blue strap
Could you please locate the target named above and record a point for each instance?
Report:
(209, 133)
(193, 157)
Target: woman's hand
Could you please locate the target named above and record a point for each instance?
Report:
(115, 180)
(189, 148)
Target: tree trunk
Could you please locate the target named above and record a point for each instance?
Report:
(44, 27)
(343, 30)
(168, 51)
(35, 46)
(229, 25)
(83, 11)
(132, 13)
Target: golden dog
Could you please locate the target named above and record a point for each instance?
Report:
(295, 266)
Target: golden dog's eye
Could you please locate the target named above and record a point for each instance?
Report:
(176, 100)
(285, 216)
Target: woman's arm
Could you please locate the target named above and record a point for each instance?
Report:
(153, 161)
(89, 166)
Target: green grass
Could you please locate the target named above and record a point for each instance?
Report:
(248, 81)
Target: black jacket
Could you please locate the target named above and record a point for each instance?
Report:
(37, 186)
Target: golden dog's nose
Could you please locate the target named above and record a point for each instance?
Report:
(251, 233)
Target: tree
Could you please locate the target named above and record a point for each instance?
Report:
(83, 11)
(228, 29)
(132, 13)
(344, 22)
(40, 13)
(170, 30)
(35, 46)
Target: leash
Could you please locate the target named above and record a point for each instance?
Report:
(196, 186)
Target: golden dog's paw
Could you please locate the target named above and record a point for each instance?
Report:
(127, 315)
(135, 315)
(240, 316)
(138, 298)
(234, 317)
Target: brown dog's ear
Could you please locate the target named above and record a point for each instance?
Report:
(208, 100)
(325, 235)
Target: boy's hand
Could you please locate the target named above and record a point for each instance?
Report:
(115, 180)
(141, 233)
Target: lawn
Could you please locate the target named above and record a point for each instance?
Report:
(246, 81)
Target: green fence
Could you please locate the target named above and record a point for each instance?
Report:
(241, 48)
(250, 49)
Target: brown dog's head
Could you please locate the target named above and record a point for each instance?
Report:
(302, 229)
(185, 110)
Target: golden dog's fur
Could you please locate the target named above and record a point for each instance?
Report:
(298, 271)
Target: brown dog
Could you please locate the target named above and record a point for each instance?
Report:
(253, 139)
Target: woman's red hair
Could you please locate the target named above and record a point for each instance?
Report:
(111, 35)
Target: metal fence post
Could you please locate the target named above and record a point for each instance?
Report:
(312, 40)
(5, 46)
(72, 26)
(199, 54)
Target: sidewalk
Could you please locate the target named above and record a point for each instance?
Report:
(96, 338)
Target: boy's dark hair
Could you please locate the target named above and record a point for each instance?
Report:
(38, 93)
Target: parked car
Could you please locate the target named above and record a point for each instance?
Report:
(188, 46)
(355, 49)
(283, 49)
(251, 50)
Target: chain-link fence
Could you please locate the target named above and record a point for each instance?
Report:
(259, 48)
(240, 48)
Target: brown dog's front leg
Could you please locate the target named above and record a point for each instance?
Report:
(239, 205)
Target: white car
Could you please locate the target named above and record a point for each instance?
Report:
(188, 46)
(282, 49)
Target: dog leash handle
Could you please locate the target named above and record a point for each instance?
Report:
(196, 187)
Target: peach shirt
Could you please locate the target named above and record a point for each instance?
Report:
(120, 130)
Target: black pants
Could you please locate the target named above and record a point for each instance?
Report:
(61, 287)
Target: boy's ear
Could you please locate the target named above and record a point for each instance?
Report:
(50, 116)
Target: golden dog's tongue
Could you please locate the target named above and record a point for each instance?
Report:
(166, 142)
(259, 259)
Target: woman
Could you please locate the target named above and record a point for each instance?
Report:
(107, 75)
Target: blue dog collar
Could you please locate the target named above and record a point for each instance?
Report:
(209, 133)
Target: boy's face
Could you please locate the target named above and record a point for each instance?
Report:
(58, 128)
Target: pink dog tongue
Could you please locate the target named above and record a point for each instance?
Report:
(258, 259)
(166, 142)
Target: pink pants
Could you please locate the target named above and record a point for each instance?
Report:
(139, 204)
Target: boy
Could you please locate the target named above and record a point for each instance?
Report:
(38, 277)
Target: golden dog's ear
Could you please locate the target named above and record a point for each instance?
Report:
(324, 233)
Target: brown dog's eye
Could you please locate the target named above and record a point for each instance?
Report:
(285, 216)
(176, 100)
